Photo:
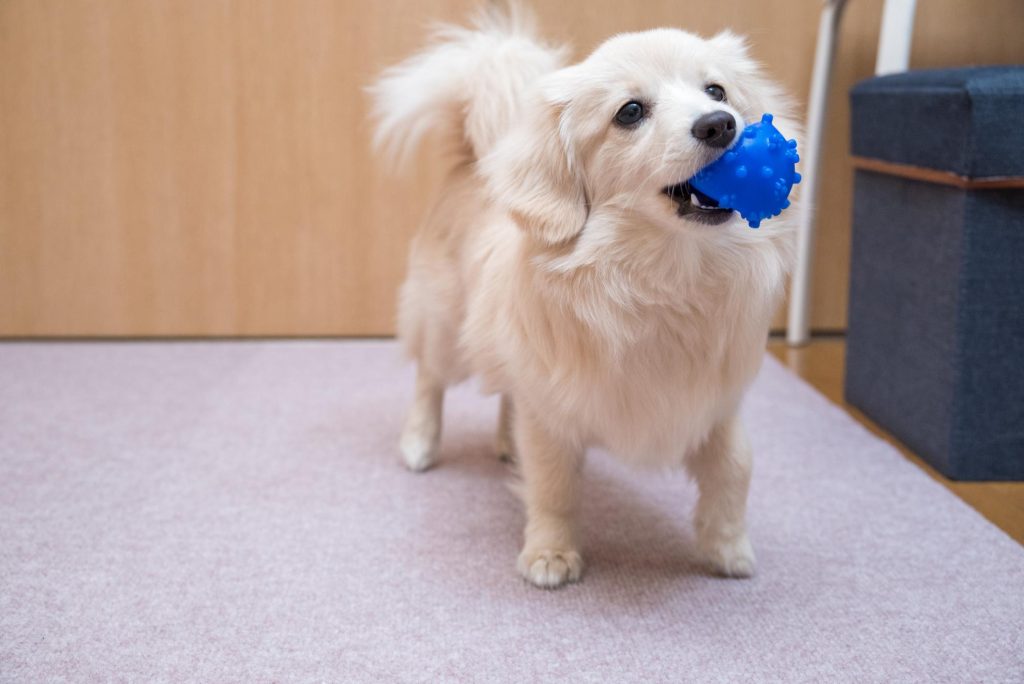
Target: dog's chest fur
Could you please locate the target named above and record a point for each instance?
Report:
(644, 363)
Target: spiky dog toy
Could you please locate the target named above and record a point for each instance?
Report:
(755, 176)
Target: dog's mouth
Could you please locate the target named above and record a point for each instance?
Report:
(693, 204)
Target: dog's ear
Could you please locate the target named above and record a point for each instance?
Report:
(732, 44)
(534, 174)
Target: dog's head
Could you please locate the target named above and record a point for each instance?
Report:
(623, 130)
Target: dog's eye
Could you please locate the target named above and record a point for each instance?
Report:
(715, 92)
(630, 113)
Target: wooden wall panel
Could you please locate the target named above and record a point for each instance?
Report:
(201, 167)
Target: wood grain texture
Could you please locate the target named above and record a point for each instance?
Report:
(822, 364)
(201, 167)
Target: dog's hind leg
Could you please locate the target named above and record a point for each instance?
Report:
(722, 469)
(430, 312)
(504, 442)
(422, 432)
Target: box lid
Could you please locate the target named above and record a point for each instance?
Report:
(967, 121)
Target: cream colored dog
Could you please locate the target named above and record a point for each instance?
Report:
(570, 266)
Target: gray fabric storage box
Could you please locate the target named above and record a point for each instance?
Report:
(935, 345)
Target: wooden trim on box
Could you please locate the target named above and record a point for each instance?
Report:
(921, 173)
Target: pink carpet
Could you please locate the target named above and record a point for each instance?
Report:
(236, 512)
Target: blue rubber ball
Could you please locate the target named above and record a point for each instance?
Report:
(755, 176)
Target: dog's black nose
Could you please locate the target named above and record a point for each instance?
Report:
(716, 129)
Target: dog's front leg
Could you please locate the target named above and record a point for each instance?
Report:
(722, 470)
(550, 469)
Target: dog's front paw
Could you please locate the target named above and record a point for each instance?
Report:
(730, 558)
(550, 568)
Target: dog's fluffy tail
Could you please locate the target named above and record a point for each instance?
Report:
(467, 84)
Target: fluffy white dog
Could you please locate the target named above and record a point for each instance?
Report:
(570, 266)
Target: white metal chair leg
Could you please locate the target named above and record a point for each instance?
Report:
(893, 56)
(798, 327)
(894, 37)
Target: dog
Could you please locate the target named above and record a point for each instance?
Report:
(571, 268)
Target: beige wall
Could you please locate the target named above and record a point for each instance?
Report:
(200, 167)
